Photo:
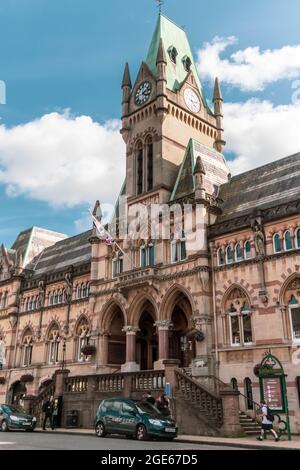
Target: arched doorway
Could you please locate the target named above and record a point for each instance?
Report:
(116, 338)
(248, 393)
(179, 346)
(146, 339)
(16, 392)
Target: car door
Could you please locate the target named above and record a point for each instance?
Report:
(129, 418)
(114, 417)
(1, 415)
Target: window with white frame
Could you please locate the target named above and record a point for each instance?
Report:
(294, 307)
(239, 253)
(247, 250)
(239, 317)
(178, 249)
(298, 238)
(220, 257)
(82, 339)
(277, 243)
(117, 264)
(229, 255)
(288, 242)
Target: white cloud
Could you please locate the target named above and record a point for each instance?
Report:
(63, 160)
(259, 132)
(250, 69)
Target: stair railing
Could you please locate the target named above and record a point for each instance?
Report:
(195, 393)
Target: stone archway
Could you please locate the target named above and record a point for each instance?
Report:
(180, 347)
(112, 335)
(16, 392)
(146, 339)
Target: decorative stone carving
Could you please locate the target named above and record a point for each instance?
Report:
(163, 324)
(259, 237)
(130, 329)
(203, 277)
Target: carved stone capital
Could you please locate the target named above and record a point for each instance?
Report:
(200, 320)
(130, 330)
(163, 324)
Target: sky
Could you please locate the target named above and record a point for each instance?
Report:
(62, 62)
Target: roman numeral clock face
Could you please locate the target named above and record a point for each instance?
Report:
(191, 100)
(143, 93)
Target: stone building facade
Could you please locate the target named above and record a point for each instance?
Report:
(139, 301)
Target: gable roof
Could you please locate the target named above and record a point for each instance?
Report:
(173, 35)
(262, 188)
(213, 164)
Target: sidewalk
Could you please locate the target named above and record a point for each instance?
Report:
(242, 442)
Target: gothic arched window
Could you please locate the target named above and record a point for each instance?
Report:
(277, 243)
(151, 251)
(140, 169)
(298, 238)
(187, 63)
(239, 314)
(143, 256)
(173, 54)
(238, 253)
(288, 243)
(220, 256)
(229, 255)
(149, 147)
(247, 250)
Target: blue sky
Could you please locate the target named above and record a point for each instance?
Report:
(69, 54)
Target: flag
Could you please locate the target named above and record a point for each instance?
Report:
(102, 233)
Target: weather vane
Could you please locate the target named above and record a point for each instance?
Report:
(160, 4)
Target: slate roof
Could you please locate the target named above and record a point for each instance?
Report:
(213, 163)
(173, 35)
(63, 254)
(271, 185)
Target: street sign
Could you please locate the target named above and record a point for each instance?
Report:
(272, 392)
(168, 390)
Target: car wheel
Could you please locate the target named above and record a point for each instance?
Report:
(141, 433)
(4, 426)
(100, 429)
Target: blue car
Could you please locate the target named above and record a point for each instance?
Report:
(13, 417)
(133, 418)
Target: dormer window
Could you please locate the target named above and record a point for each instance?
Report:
(187, 63)
(173, 54)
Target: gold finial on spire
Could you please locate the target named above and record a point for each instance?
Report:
(160, 4)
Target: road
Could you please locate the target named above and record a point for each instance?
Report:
(49, 441)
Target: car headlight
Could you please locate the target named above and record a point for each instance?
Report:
(156, 422)
(14, 418)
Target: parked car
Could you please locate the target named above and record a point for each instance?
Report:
(14, 417)
(133, 418)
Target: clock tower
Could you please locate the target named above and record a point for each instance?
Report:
(163, 111)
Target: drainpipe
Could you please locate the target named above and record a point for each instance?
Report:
(214, 307)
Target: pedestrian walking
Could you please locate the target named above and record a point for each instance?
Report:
(54, 415)
(48, 412)
(162, 404)
(150, 399)
(267, 419)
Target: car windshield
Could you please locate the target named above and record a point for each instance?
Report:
(147, 408)
(13, 409)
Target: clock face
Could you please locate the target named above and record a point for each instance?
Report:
(143, 93)
(191, 100)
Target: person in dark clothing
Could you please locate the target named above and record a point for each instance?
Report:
(162, 404)
(54, 415)
(48, 412)
(150, 399)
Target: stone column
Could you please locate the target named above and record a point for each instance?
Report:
(103, 349)
(59, 378)
(203, 364)
(231, 418)
(163, 327)
(130, 365)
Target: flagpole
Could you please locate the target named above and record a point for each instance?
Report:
(103, 229)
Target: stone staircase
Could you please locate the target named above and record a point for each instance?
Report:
(196, 407)
(249, 425)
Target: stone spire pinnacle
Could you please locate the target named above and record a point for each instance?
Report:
(217, 91)
(126, 77)
(199, 168)
(161, 54)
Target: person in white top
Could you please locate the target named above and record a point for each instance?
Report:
(266, 422)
